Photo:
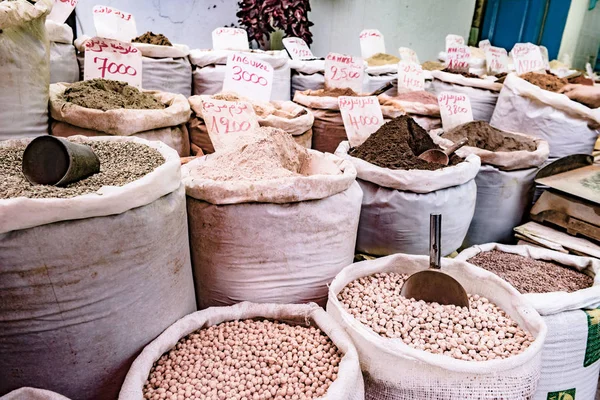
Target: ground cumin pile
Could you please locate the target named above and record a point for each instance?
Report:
(382, 59)
(333, 92)
(484, 136)
(549, 82)
(153, 38)
(397, 145)
(105, 94)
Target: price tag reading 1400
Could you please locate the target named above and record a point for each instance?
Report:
(342, 71)
(361, 115)
(111, 59)
(455, 109)
(227, 120)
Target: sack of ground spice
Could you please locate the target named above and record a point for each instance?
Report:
(400, 191)
(302, 338)
(111, 255)
(165, 68)
(28, 393)
(505, 181)
(209, 71)
(565, 290)
(25, 66)
(63, 60)
(415, 350)
(483, 93)
(568, 127)
(286, 115)
(255, 209)
(422, 106)
(103, 107)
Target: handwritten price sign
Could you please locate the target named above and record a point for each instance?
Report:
(484, 44)
(410, 77)
(230, 39)
(227, 120)
(408, 55)
(371, 43)
(248, 76)
(454, 40)
(527, 57)
(496, 60)
(111, 59)
(61, 10)
(114, 24)
(455, 109)
(457, 58)
(342, 71)
(297, 49)
(361, 115)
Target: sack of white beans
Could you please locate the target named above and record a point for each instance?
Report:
(570, 357)
(63, 60)
(400, 357)
(270, 378)
(28, 393)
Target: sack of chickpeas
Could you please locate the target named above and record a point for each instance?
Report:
(565, 290)
(101, 107)
(416, 350)
(289, 116)
(249, 351)
(29, 393)
(63, 60)
(25, 66)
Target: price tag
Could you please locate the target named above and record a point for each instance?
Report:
(248, 76)
(114, 24)
(455, 109)
(484, 44)
(454, 40)
(496, 60)
(371, 43)
(61, 10)
(457, 58)
(410, 77)
(527, 57)
(230, 39)
(408, 55)
(362, 116)
(297, 49)
(342, 71)
(227, 120)
(111, 59)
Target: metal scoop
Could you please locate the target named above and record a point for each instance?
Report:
(383, 89)
(433, 285)
(442, 157)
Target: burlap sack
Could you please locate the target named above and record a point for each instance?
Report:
(166, 125)
(63, 60)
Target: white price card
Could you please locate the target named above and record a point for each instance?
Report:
(410, 77)
(248, 76)
(484, 44)
(362, 116)
(297, 49)
(371, 43)
(112, 59)
(226, 121)
(455, 109)
(527, 57)
(496, 60)
(61, 10)
(457, 58)
(454, 40)
(230, 39)
(343, 71)
(114, 24)
(408, 55)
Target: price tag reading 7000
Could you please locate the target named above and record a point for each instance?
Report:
(111, 59)
(342, 71)
(361, 115)
(227, 120)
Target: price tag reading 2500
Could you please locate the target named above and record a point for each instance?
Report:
(248, 76)
(111, 59)
(342, 71)
(361, 115)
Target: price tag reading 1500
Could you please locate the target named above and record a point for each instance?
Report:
(361, 115)
(342, 71)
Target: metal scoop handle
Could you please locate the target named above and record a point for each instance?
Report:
(383, 89)
(456, 146)
(435, 240)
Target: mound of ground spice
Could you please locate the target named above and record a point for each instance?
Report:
(528, 275)
(397, 145)
(153, 38)
(581, 80)
(382, 59)
(484, 136)
(549, 82)
(105, 94)
(432, 66)
(465, 74)
(334, 92)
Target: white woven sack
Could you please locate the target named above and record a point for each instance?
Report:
(307, 75)
(311, 235)
(393, 370)
(28, 393)
(63, 59)
(348, 385)
(570, 355)
(209, 71)
(567, 126)
(104, 265)
(25, 65)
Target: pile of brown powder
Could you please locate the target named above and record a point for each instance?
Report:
(153, 38)
(432, 66)
(105, 94)
(484, 136)
(334, 92)
(581, 80)
(266, 153)
(549, 82)
(397, 145)
(382, 59)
